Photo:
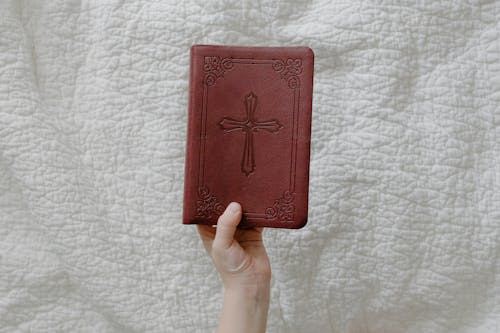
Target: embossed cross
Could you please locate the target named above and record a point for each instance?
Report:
(248, 126)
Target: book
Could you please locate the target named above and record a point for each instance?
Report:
(249, 134)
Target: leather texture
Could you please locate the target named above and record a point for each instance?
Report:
(249, 134)
(404, 204)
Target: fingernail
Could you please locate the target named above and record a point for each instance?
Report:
(233, 208)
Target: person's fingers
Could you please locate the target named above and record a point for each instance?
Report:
(207, 232)
(248, 234)
(226, 225)
(207, 235)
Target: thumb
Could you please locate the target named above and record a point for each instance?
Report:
(227, 253)
(226, 225)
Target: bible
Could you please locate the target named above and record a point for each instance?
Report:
(249, 134)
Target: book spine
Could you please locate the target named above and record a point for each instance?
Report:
(189, 173)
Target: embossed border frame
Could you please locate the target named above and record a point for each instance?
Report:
(214, 67)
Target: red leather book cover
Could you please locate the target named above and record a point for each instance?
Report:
(248, 136)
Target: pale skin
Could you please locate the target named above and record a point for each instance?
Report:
(243, 265)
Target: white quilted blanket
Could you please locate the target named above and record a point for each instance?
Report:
(404, 223)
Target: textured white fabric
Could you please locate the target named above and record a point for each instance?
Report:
(403, 232)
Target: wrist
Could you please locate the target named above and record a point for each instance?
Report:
(247, 286)
(249, 280)
(257, 288)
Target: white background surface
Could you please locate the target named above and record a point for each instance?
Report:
(404, 222)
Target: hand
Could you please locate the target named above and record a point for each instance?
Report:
(238, 254)
(242, 262)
